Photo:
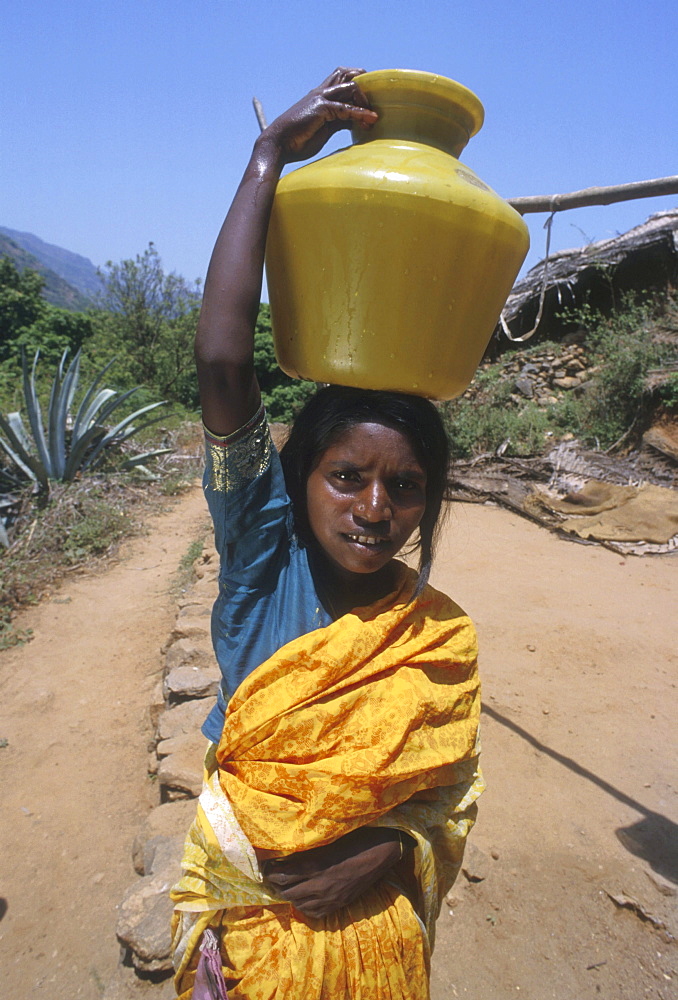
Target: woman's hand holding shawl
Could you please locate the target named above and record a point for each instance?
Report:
(324, 879)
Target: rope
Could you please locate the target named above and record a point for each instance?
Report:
(542, 294)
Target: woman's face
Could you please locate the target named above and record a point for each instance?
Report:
(365, 497)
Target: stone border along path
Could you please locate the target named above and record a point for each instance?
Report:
(180, 705)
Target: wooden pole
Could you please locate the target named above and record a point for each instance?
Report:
(596, 196)
(259, 112)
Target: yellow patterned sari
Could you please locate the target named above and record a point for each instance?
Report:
(370, 721)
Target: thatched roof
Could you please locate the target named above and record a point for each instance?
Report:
(644, 258)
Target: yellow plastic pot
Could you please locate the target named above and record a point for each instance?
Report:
(388, 263)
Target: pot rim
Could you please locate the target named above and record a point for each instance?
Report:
(394, 85)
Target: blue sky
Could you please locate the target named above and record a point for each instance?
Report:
(125, 122)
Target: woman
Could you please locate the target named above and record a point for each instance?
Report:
(342, 775)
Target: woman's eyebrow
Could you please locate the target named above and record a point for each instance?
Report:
(408, 471)
(345, 463)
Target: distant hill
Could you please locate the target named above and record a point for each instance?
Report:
(70, 278)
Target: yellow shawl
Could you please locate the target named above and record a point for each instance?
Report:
(371, 720)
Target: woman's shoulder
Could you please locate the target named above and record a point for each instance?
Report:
(428, 598)
(452, 609)
(442, 604)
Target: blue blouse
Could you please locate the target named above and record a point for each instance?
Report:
(267, 596)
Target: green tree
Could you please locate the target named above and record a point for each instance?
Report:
(28, 322)
(21, 303)
(151, 315)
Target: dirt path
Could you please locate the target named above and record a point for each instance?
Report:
(74, 709)
(578, 660)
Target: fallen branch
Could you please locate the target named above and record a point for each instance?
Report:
(595, 196)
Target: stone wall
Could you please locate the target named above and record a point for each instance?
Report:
(543, 375)
(180, 705)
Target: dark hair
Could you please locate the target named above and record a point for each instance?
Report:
(334, 409)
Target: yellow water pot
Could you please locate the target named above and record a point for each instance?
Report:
(388, 263)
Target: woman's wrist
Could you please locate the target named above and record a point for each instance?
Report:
(400, 842)
(267, 155)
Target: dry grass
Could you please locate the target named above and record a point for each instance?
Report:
(83, 524)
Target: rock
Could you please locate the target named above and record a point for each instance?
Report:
(201, 572)
(568, 382)
(186, 742)
(170, 820)
(144, 922)
(189, 652)
(187, 717)
(182, 771)
(195, 610)
(190, 628)
(663, 438)
(161, 854)
(525, 386)
(476, 864)
(187, 601)
(560, 373)
(191, 682)
(665, 887)
(529, 369)
(157, 705)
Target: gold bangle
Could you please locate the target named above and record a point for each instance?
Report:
(400, 841)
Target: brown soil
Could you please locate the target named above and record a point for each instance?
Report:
(578, 660)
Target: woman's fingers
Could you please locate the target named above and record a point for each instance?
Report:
(282, 881)
(346, 111)
(339, 75)
(304, 129)
(348, 91)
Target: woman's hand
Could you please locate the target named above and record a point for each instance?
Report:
(324, 879)
(337, 103)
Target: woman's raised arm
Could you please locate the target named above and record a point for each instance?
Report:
(224, 343)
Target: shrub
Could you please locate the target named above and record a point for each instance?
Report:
(68, 445)
(625, 345)
(482, 426)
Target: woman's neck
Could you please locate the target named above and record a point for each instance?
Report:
(341, 592)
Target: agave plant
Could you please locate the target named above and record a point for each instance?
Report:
(70, 445)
